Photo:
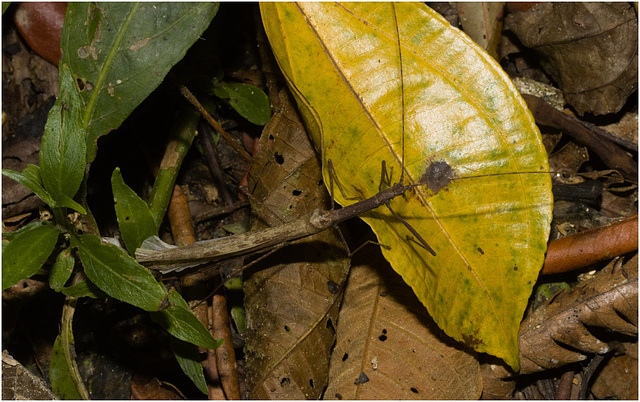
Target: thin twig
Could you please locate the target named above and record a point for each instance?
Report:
(216, 126)
(209, 212)
(213, 161)
(610, 153)
(614, 346)
(588, 373)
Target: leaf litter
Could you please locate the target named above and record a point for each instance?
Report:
(600, 394)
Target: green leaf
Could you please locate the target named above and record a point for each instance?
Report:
(188, 358)
(30, 178)
(27, 252)
(239, 316)
(118, 274)
(179, 321)
(134, 218)
(64, 201)
(63, 149)
(84, 289)
(176, 299)
(61, 381)
(121, 51)
(61, 270)
(248, 100)
(12, 235)
(395, 83)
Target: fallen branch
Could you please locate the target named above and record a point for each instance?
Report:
(611, 154)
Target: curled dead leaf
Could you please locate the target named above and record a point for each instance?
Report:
(557, 332)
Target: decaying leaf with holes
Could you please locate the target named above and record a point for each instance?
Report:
(556, 333)
(292, 297)
(395, 83)
(386, 336)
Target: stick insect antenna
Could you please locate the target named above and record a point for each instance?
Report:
(395, 18)
(330, 168)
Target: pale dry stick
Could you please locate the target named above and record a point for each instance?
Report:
(260, 240)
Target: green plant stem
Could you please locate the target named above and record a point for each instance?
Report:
(90, 226)
(58, 216)
(181, 138)
(66, 335)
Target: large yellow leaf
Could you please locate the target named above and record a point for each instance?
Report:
(370, 77)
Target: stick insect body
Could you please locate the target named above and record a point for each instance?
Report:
(179, 258)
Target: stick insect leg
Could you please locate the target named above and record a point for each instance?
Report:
(423, 243)
(330, 168)
(385, 177)
(331, 180)
(240, 270)
(344, 241)
(366, 243)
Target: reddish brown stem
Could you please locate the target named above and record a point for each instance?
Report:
(564, 386)
(210, 368)
(589, 247)
(180, 218)
(225, 355)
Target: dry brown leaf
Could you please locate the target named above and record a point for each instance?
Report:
(18, 383)
(482, 21)
(618, 379)
(569, 158)
(389, 348)
(608, 300)
(293, 296)
(496, 381)
(589, 49)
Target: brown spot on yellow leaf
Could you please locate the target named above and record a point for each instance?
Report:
(437, 176)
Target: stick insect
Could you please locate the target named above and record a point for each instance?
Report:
(437, 175)
(179, 258)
